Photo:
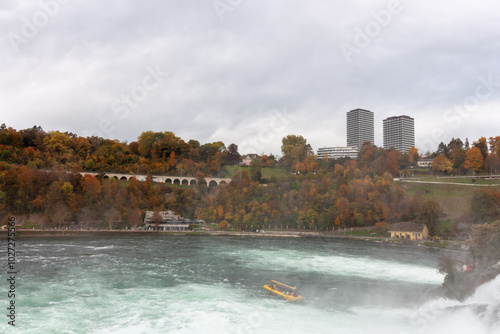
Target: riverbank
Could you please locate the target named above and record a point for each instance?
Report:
(288, 234)
(20, 232)
(26, 233)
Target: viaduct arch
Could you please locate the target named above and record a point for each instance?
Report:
(168, 179)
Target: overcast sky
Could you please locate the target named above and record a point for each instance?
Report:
(250, 72)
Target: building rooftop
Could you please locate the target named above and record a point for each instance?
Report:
(407, 227)
(405, 116)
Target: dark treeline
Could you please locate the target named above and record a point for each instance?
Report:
(458, 157)
(152, 153)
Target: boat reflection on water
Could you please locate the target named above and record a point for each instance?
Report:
(283, 290)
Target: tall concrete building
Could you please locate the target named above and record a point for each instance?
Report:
(399, 132)
(360, 127)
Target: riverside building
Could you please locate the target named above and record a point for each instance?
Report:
(169, 222)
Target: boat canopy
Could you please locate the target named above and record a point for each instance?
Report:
(287, 286)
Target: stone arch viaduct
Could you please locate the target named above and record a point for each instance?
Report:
(168, 179)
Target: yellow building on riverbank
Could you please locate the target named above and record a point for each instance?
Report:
(410, 231)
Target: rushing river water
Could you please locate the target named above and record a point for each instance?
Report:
(199, 284)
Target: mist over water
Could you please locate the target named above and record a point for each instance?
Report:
(168, 284)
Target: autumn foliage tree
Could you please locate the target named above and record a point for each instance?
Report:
(381, 227)
(474, 159)
(295, 150)
(413, 156)
(442, 164)
(156, 219)
(456, 152)
(494, 143)
(482, 145)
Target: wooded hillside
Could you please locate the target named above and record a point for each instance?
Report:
(39, 177)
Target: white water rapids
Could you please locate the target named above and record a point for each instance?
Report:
(214, 285)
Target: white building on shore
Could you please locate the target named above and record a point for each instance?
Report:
(169, 222)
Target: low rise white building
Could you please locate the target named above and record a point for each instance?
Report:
(332, 153)
(424, 163)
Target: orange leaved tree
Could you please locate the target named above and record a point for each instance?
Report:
(474, 158)
(443, 164)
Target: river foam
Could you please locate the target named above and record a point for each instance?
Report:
(340, 265)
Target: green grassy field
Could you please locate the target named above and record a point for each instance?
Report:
(453, 198)
(266, 172)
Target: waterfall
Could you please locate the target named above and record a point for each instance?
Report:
(479, 313)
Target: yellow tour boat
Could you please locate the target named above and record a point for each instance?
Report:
(283, 290)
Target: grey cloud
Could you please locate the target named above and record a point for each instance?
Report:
(224, 77)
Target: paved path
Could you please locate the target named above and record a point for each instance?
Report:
(455, 183)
